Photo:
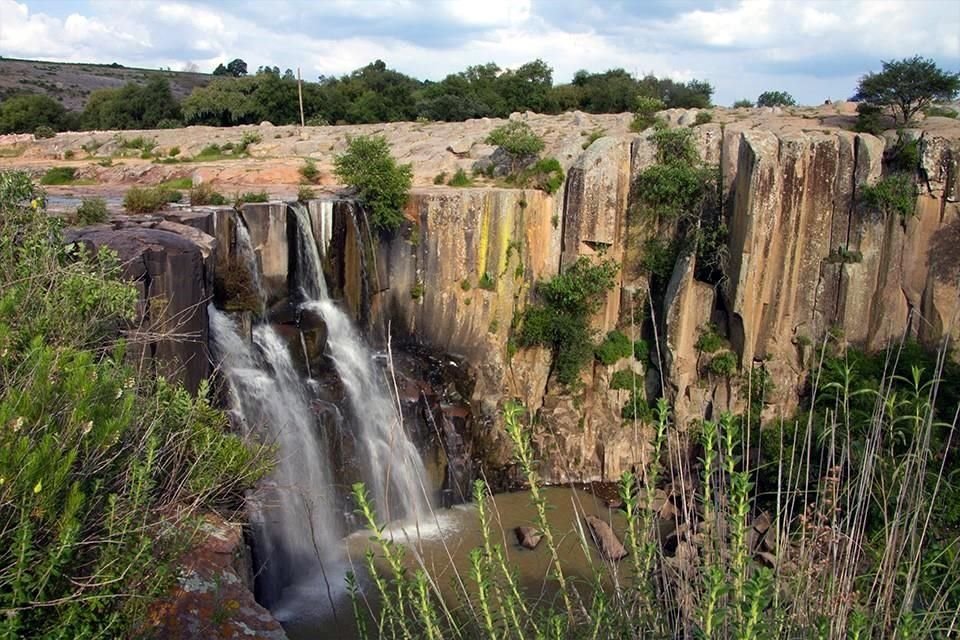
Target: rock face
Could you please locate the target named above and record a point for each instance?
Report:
(804, 259)
(213, 598)
(171, 264)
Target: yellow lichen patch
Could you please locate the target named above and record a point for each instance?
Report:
(484, 239)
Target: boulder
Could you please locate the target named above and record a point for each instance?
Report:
(170, 272)
(527, 537)
(212, 597)
(606, 540)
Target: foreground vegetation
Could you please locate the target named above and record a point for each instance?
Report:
(847, 525)
(104, 468)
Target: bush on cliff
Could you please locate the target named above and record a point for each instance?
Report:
(896, 193)
(560, 320)
(381, 183)
(102, 466)
(518, 141)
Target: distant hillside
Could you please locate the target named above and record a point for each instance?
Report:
(72, 83)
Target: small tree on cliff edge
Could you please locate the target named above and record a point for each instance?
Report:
(907, 86)
(518, 140)
(381, 183)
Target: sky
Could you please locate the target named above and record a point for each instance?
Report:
(815, 49)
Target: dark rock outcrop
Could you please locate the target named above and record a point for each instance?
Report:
(171, 266)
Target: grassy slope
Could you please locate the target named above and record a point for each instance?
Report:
(72, 83)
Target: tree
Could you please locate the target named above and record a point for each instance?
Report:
(518, 140)
(221, 70)
(381, 183)
(907, 86)
(25, 112)
(775, 99)
(237, 68)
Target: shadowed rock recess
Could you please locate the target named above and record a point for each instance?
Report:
(802, 259)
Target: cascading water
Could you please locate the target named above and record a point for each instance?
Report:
(308, 267)
(296, 525)
(394, 469)
(249, 257)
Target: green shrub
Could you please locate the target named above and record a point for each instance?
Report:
(168, 123)
(641, 351)
(626, 380)
(460, 179)
(143, 144)
(869, 119)
(494, 326)
(843, 255)
(177, 184)
(173, 151)
(775, 99)
(248, 138)
(305, 193)
(710, 340)
(646, 113)
(440, 178)
(487, 282)
(69, 154)
(416, 291)
(465, 284)
(560, 319)
(896, 193)
(615, 347)
(904, 157)
(43, 131)
(309, 171)
(59, 176)
(940, 111)
(703, 117)
(546, 175)
(381, 183)
(743, 104)
(518, 140)
(675, 146)
(204, 194)
(104, 468)
(724, 364)
(592, 137)
(252, 197)
(669, 191)
(149, 199)
(92, 211)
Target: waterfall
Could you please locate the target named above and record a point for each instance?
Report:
(249, 257)
(394, 471)
(298, 523)
(308, 267)
(322, 212)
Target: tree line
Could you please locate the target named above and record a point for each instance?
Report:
(373, 93)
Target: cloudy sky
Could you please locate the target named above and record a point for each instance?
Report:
(815, 49)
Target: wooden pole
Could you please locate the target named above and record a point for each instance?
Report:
(300, 96)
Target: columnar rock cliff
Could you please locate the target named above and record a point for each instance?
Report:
(458, 276)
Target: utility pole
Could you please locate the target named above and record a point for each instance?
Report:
(300, 96)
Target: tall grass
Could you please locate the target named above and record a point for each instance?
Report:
(844, 525)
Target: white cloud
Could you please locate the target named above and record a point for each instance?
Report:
(814, 49)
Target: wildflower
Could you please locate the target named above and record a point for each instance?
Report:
(16, 424)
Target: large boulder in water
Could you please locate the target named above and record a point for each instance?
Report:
(527, 537)
(610, 546)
